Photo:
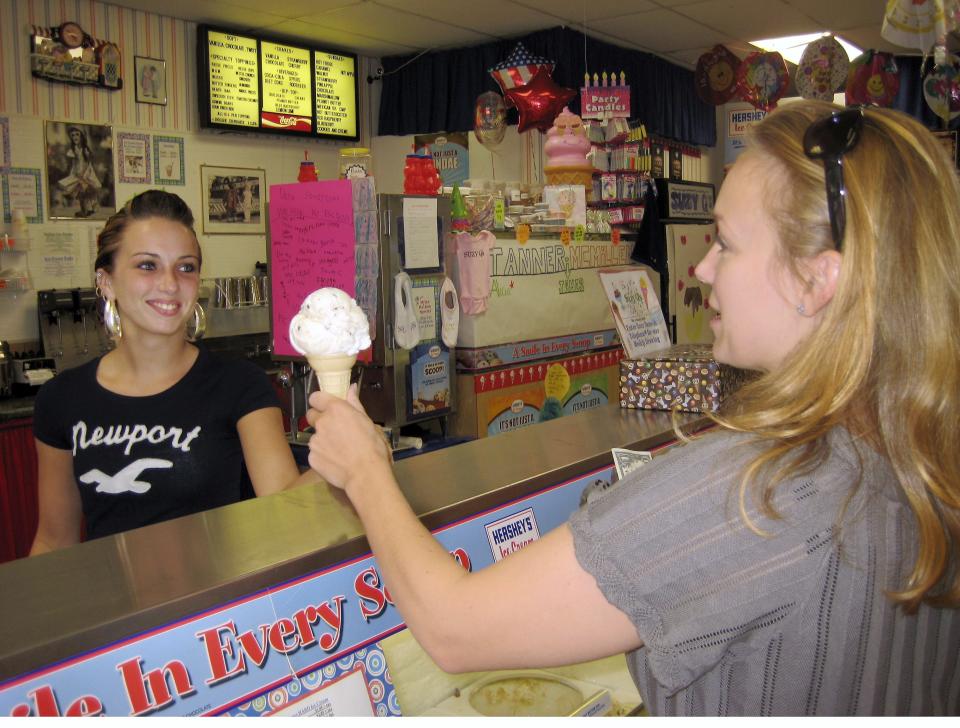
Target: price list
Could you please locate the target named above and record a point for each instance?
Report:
(234, 83)
(285, 78)
(336, 106)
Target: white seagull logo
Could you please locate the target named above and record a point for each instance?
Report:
(126, 480)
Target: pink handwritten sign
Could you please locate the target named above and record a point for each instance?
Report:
(311, 246)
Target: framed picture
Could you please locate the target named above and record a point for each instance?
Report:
(233, 200)
(949, 141)
(168, 168)
(21, 191)
(134, 153)
(80, 181)
(4, 143)
(151, 80)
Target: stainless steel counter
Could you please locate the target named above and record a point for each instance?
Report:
(61, 604)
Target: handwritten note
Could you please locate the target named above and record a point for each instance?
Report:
(311, 246)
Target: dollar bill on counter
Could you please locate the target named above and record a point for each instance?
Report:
(626, 461)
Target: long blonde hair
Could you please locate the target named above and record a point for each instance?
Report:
(884, 360)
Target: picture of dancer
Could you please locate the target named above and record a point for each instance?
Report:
(232, 200)
(80, 177)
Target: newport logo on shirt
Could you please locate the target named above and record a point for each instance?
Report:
(127, 479)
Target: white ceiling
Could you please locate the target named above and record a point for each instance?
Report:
(680, 30)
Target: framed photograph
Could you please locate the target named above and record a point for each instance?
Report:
(21, 191)
(80, 181)
(233, 200)
(4, 143)
(168, 168)
(949, 141)
(151, 80)
(134, 153)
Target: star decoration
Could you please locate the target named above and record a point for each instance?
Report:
(539, 101)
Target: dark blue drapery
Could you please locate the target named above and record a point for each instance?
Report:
(437, 91)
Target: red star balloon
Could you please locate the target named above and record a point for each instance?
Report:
(539, 101)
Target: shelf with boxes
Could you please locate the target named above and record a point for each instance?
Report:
(620, 155)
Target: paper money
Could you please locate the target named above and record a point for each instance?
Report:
(626, 461)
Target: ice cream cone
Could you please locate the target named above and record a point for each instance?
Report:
(333, 372)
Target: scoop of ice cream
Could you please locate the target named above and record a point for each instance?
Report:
(329, 322)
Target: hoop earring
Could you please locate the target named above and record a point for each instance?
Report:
(111, 319)
(199, 323)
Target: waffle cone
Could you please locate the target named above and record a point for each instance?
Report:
(333, 372)
(571, 176)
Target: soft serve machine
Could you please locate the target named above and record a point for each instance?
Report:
(70, 330)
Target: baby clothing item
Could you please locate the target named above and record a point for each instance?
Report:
(449, 313)
(406, 330)
(476, 268)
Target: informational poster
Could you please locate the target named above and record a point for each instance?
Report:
(421, 237)
(451, 155)
(285, 77)
(740, 116)
(234, 79)
(636, 310)
(335, 76)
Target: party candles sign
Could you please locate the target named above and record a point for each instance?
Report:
(605, 98)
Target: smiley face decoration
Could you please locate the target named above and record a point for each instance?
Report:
(872, 79)
(716, 75)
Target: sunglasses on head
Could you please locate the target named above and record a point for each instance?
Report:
(828, 139)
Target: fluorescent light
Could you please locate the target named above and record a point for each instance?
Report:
(791, 47)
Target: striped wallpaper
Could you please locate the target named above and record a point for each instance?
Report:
(135, 32)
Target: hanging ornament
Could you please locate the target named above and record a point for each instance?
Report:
(762, 78)
(941, 89)
(873, 78)
(539, 101)
(518, 69)
(489, 119)
(716, 75)
(917, 23)
(822, 69)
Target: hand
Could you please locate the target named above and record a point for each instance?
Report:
(346, 443)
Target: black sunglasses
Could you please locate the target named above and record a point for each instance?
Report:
(828, 139)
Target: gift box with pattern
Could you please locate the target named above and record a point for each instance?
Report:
(683, 377)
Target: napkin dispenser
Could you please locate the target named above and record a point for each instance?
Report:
(32, 373)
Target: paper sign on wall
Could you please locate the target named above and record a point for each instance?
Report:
(636, 310)
(311, 246)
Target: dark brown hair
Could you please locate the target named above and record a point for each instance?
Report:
(152, 203)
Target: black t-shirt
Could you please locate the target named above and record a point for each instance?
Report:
(142, 460)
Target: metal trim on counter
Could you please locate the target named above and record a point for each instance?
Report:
(63, 604)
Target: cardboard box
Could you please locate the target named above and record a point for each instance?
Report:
(684, 377)
(500, 400)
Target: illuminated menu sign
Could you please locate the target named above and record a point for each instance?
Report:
(336, 82)
(285, 104)
(249, 83)
(233, 79)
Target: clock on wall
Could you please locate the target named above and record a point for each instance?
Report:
(71, 35)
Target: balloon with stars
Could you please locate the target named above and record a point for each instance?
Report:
(518, 68)
(539, 101)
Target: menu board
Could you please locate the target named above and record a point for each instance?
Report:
(336, 77)
(251, 83)
(233, 79)
(285, 103)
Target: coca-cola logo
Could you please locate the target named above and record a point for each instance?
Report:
(288, 120)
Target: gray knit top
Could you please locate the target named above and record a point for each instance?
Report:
(792, 623)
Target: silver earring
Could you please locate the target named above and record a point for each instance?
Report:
(801, 309)
(199, 323)
(111, 319)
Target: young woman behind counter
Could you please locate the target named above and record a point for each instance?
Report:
(158, 427)
(803, 558)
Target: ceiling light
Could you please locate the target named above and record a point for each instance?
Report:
(791, 47)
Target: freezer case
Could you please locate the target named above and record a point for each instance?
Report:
(401, 386)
